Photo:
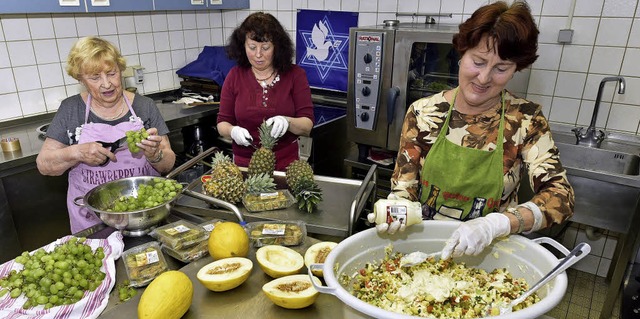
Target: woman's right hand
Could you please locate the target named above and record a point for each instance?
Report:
(94, 154)
(241, 136)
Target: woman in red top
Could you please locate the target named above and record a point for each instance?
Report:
(264, 85)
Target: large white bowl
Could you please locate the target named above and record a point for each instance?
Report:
(523, 257)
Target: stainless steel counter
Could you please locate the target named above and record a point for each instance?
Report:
(245, 301)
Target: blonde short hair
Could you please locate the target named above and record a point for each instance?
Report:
(91, 55)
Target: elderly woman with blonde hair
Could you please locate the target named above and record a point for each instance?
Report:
(78, 136)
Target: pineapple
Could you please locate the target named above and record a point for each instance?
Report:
(299, 176)
(263, 159)
(227, 188)
(222, 166)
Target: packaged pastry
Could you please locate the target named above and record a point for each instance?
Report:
(277, 233)
(144, 263)
(189, 254)
(260, 202)
(180, 234)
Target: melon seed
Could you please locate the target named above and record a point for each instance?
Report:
(295, 286)
(226, 268)
(322, 255)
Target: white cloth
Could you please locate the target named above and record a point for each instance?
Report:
(472, 236)
(241, 136)
(280, 125)
(89, 307)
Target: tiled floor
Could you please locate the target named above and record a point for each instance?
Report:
(584, 297)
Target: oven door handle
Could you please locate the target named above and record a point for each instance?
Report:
(392, 96)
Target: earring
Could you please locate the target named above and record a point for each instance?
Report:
(459, 62)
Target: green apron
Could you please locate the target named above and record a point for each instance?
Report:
(461, 183)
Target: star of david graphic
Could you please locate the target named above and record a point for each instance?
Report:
(335, 60)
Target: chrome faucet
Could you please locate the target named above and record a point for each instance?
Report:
(591, 137)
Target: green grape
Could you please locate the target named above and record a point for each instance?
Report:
(134, 137)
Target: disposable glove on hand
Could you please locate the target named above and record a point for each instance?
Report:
(280, 125)
(386, 227)
(241, 136)
(471, 237)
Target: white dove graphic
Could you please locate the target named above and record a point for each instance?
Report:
(318, 36)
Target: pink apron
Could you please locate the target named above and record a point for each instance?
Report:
(83, 177)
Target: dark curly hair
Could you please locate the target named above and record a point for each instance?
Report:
(262, 27)
(512, 29)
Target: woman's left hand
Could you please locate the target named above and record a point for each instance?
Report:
(475, 235)
(280, 125)
(151, 145)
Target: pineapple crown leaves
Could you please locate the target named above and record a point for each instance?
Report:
(308, 195)
(219, 158)
(266, 140)
(260, 183)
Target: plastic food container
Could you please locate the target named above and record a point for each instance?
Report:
(143, 263)
(279, 199)
(277, 233)
(188, 254)
(208, 226)
(179, 235)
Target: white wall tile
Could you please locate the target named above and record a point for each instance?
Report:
(145, 43)
(32, 102)
(609, 247)
(286, 20)
(586, 113)
(542, 82)
(603, 267)
(451, 7)
(174, 20)
(570, 84)
(65, 26)
(51, 74)
(588, 8)
(204, 37)
(623, 117)
(27, 77)
(255, 4)
(216, 37)
(544, 100)
(202, 20)
(151, 83)
(188, 20)
(606, 60)
(619, 8)
(215, 19)
(585, 30)
(350, 5)
(21, 53)
(556, 8)
(631, 95)
(41, 26)
(178, 59)
(8, 84)
(549, 56)
(53, 97)
(106, 24)
(313, 4)
(159, 21)
(630, 63)
(536, 8)
(368, 6)
(549, 27)
(191, 54)
(613, 32)
(87, 25)
(634, 36)
(591, 88)
(15, 28)
(163, 61)
(407, 6)
(165, 80)
(472, 5)
(142, 22)
(272, 5)
(128, 44)
(367, 19)
(190, 39)
(387, 5)
(230, 19)
(520, 82)
(285, 5)
(576, 58)
(10, 106)
(429, 6)
(4, 56)
(161, 41)
(149, 63)
(564, 110)
(64, 46)
(125, 23)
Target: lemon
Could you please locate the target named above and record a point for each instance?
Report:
(228, 239)
(278, 261)
(225, 274)
(292, 292)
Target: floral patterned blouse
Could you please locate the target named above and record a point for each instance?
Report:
(528, 147)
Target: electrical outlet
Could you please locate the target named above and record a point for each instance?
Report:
(100, 3)
(565, 36)
(215, 2)
(70, 3)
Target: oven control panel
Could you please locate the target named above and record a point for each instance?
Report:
(368, 57)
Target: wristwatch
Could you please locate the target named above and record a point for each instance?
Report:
(158, 158)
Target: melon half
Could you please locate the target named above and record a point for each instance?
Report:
(225, 274)
(278, 261)
(292, 292)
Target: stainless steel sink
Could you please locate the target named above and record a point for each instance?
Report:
(598, 159)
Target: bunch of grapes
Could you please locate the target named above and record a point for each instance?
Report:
(134, 137)
(59, 277)
(125, 291)
(159, 191)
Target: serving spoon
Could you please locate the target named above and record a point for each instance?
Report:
(579, 252)
(416, 257)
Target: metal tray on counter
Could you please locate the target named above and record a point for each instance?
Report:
(343, 201)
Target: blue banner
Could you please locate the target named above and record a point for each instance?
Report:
(322, 47)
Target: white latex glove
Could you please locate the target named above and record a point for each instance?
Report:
(280, 125)
(385, 227)
(471, 237)
(241, 136)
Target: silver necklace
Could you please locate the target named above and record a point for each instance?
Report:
(117, 116)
